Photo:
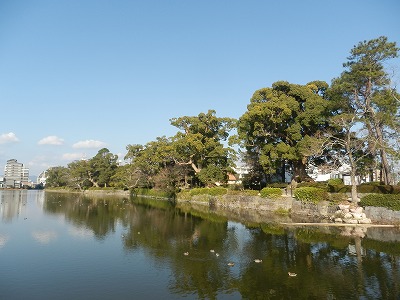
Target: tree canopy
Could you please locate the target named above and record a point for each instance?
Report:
(283, 123)
(286, 128)
(364, 88)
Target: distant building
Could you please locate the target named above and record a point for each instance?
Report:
(42, 178)
(241, 172)
(343, 172)
(15, 174)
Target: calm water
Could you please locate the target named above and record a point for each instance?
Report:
(66, 246)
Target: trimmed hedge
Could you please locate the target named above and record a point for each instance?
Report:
(337, 197)
(243, 192)
(335, 181)
(310, 194)
(215, 191)
(316, 184)
(365, 189)
(389, 201)
(281, 185)
(270, 192)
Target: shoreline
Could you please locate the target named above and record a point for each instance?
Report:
(286, 207)
(342, 225)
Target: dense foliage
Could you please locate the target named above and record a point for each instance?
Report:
(389, 201)
(311, 194)
(286, 130)
(282, 125)
(271, 192)
(216, 191)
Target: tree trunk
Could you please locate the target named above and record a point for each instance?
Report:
(354, 196)
(375, 130)
(299, 171)
(384, 160)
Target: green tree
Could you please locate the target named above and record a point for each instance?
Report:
(199, 145)
(364, 86)
(145, 162)
(57, 177)
(79, 178)
(355, 148)
(102, 167)
(282, 126)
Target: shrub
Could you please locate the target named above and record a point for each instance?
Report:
(184, 195)
(337, 197)
(378, 189)
(339, 188)
(335, 181)
(215, 191)
(310, 194)
(315, 184)
(243, 192)
(336, 185)
(270, 192)
(280, 185)
(391, 201)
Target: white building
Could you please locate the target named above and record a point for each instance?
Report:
(342, 172)
(15, 174)
(241, 172)
(42, 178)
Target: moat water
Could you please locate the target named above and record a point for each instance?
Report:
(69, 246)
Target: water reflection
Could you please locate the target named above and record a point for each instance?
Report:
(12, 203)
(330, 263)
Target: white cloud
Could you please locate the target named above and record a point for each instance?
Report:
(73, 156)
(44, 237)
(89, 144)
(51, 140)
(8, 138)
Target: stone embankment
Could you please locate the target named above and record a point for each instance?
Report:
(344, 213)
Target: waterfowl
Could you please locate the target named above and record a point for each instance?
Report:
(292, 274)
(186, 253)
(216, 254)
(258, 260)
(231, 264)
(212, 251)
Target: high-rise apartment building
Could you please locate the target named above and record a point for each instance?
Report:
(15, 174)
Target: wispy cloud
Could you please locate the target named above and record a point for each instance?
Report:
(51, 140)
(73, 156)
(88, 144)
(10, 137)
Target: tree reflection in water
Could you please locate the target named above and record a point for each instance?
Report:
(328, 264)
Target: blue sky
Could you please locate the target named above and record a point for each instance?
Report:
(80, 75)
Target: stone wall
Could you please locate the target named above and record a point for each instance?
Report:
(254, 202)
(308, 212)
(382, 215)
